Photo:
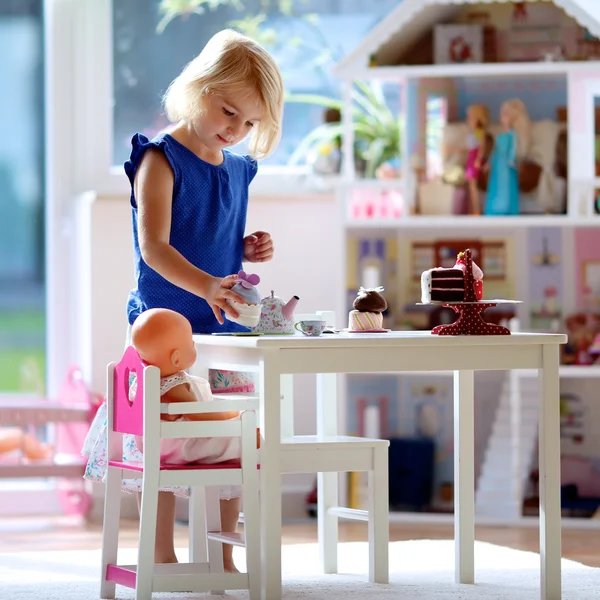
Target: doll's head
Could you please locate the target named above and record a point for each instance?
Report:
(478, 116)
(234, 68)
(163, 338)
(514, 115)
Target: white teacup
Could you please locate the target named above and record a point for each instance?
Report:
(311, 327)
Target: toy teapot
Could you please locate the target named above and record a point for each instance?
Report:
(276, 316)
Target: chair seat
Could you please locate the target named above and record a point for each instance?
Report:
(136, 465)
(341, 453)
(330, 442)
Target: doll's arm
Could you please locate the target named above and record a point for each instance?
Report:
(182, 393)
(512, 153)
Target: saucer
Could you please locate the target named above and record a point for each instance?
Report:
(367, 330)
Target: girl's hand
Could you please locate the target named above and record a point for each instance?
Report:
(258, 247)
(217, 294)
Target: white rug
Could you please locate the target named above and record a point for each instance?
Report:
(420, 570)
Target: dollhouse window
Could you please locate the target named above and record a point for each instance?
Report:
(436, 121)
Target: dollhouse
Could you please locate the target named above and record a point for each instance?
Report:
(446, 57)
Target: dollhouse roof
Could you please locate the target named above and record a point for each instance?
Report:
(411, 19)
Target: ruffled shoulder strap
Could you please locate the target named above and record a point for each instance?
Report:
(166, 383)
(139, 145)
(252, 167)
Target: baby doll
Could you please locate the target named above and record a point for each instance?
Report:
(510, 145)
(163, 338)
(478, 119)
(14, 438)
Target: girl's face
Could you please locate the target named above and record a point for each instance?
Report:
(227, 119)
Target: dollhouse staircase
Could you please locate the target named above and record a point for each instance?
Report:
(510, 450)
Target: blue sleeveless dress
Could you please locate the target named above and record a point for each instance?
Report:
(208, 224)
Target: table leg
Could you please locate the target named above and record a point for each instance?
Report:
(287, 406)
(270, 480)
(197, 530)
(327, 483)
(464, 476)
(549, 469)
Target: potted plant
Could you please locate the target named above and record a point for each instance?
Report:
(377, 131)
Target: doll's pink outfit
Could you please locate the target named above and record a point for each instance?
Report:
(474, 142)
(184, 451)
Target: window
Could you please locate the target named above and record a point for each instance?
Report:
(436, 122)
(22, 323)
(153, 39)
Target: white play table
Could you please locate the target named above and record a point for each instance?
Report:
(277, 358)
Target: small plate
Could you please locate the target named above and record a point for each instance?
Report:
(367, 330)
(238, 333)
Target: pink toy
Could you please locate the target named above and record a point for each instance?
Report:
(71, 414)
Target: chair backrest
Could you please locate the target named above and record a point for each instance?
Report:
(128, 414)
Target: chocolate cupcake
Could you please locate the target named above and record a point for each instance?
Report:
(367, 315)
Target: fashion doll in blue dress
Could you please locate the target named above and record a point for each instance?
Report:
(511, 143)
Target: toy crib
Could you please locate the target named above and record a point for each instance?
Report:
(68, 417)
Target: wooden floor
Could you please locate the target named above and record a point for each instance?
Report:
(65, 533)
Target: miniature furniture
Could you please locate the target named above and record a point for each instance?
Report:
(142, 417)
(275, 356)
(68, 418)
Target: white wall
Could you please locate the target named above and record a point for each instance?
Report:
(308, 255)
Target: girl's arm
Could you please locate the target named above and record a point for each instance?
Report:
(153, 187)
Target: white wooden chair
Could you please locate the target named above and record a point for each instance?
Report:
(329, 454)
(142, 417)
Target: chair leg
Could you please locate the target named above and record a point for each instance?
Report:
(213, 523)
(327, 494)
(379, 525)
(110, 529)
(197, 525)
(147, 539)
(252, 537)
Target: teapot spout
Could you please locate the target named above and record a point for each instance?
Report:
(288, 309)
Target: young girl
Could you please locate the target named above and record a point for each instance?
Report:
(478, 119)
(510, 145)
(189, 200)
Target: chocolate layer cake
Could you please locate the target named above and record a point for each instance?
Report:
(442, 285)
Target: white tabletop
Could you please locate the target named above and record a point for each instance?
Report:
(365, 340)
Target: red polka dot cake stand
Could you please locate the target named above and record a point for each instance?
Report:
(470, 320)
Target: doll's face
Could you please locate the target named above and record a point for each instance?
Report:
(506, 117)
(472, 120)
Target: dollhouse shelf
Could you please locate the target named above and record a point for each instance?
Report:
(476, 222)
(509, 69)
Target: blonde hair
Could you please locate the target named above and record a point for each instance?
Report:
(521, 123)
(481, 113)
(231, 63)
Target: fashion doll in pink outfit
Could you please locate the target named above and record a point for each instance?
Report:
(478, 119)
